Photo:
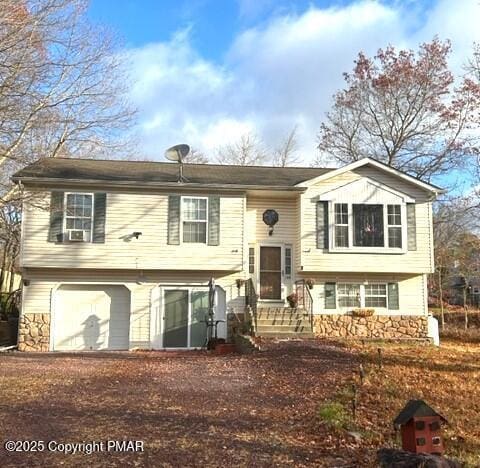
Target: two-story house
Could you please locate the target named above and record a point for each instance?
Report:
(119, 255)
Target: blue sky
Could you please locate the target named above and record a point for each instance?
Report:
(206, 72)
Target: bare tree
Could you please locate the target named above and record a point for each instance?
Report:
(455, 221)
(62, 83)
(10, 220)
(63, 88)
(286, 153)
(247, 151)
(404, 109)
(196, 157)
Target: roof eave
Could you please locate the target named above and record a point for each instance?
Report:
(49, 181)
(362, 162)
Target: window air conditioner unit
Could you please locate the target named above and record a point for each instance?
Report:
(77, 235)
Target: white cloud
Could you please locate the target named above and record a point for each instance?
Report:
(279, 75)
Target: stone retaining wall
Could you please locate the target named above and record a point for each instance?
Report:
(34, 332)
(376, 326)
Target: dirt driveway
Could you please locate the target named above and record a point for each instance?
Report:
(189, 409)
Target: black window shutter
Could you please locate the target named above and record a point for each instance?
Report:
(213, 220)
(393, 298)
(99, 216)
(411, 227)
(322, 225)
(330, 296)
(173, 235)
(55, 232)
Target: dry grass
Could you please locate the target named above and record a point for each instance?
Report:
(447, 378)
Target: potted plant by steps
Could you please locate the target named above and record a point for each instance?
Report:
(310, 282)
(363, 312)
(292, 300)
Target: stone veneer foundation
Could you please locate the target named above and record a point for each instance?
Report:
(376, 326)
(34, 332)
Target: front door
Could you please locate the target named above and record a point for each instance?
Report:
(271, 273)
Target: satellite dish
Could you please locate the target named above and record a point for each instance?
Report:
(177, 153)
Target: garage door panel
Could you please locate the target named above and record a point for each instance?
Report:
(91, 317)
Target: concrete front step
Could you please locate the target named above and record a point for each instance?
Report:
(288, 313)
(286, 335)
(283, 329)
(283, 321)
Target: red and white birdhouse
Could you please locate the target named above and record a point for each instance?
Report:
(420, 428)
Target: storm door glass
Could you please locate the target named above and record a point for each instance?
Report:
(198, 329)
(270, 273)
(175, 331)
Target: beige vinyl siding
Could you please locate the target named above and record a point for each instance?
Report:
(412, 289)
(418, 261)
(285, 231)
(43, 283)
(298, 236)
(146, 213)
(390, 180)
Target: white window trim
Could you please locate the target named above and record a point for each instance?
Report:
(190, 197)
(351, 247)
(362, 296)
(65, 230)
(335, 224)
(388, 226)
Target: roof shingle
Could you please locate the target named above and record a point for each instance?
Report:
(157, 172)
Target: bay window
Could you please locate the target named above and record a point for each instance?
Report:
(365, 227)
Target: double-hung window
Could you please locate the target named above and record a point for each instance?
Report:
(348, 295)
(394, 221)
(79, 213)
(341, 225)
(375, 295)
(194, 219)
(353, 295)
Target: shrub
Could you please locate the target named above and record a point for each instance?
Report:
(333, 414)
(363, 312)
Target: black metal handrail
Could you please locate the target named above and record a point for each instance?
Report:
(304, 299)
(251, 300)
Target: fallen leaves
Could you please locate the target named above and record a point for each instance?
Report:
(198, 409)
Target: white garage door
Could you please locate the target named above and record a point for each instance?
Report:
(88, 317)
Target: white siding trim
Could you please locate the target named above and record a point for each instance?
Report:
(372, 162)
